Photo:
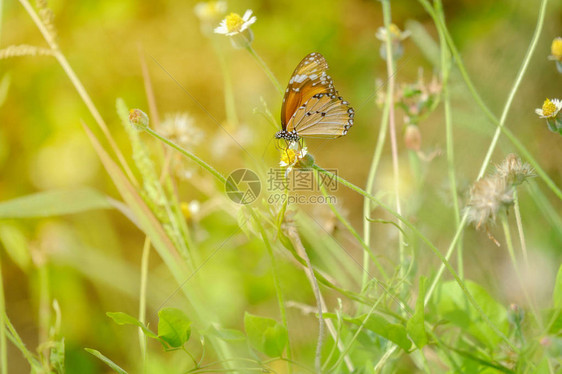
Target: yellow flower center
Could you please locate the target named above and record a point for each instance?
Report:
(548, 108)
(234, 22)
(394, 30)
(185, 210)
(289, 156)
(556, 47)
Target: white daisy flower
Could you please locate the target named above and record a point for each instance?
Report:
(234, 24)
(181, 129)
(550, 109)
(395, 33)
(292, 156)
(210, 10)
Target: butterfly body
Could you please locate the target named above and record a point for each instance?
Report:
(311, 105)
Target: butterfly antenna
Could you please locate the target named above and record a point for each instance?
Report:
(267, 147)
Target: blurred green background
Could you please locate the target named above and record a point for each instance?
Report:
(93, 258)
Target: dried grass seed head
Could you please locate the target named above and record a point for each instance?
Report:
(514, 171)
(180, 128)
(487, 197)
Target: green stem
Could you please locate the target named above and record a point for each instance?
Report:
(293, 234)
(520, 228)
(509, 244)
(223, 180)
(265, 68)
(50, 39)
(440, 24)
(446, 68)
(356, 235)
(354, 337)
(459, 62)
(369, 188)
(276, 282)
(142, 298)
(18, 342)
(44, 313)
(3, 342)
(378, 367)
(445, 262)
(390, 67)
(188, 154)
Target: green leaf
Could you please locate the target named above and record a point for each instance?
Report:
(15, 244)
(121, 318)
(107, 361)
(56, 356)
(557, 294)
(390, 331)
(543, 367)
(265, 334)
(54, 203)
(415, 325)
(173, 327)
(451, 304)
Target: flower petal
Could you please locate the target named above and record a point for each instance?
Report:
(247, 15)
(222, 29)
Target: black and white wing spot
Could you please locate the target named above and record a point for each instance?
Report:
(323, 116)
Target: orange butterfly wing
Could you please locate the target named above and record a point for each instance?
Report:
(311, 106)
(309, 78)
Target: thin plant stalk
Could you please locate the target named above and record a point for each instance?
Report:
(44, 312)
(265, 68)
(390, 67)
(159, 240)
(78, 86)
(446, 69)
(378, 367)
(509, 244)
(19, 344)
(356, 334)
(520, 228)
(356, 235)
(464, 74)
(495, 138)
(295, 239)
(3, 341)
(276, 282)
(150, 97)
(223, 180)
(188, 154)
(142, 298)
(444, 261)
(369, 188)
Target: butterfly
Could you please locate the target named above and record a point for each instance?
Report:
(311, 105)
